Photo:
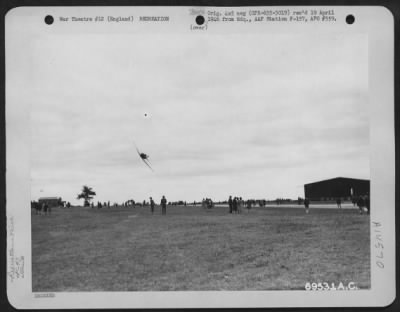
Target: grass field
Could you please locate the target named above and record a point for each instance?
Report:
(128, 249)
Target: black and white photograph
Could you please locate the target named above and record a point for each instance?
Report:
(196, 160)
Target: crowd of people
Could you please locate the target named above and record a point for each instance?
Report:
(100, 205)
(42, 208)
(207, 203)
(361, 202)
(151, 203)
(236, 204)
(163, 204)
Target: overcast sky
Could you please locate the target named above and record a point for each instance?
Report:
(256, 116)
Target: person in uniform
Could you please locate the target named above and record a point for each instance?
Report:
(306, 204)
(360, 204)
(367, 203)
(152, 205)
(239, 203)
(248, 205)
(230, 203)
(235, 205)
(163, 205)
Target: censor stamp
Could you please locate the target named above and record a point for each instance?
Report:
(378, 244)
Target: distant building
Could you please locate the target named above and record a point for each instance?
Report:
(51, 201)
(331, 189)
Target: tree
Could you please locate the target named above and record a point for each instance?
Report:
(87, 195)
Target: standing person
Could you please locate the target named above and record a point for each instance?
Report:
(235, 204)
(230, 203)
(163, 205)
(367, 203)
(248, 205)
(239, 205)
(38, 207)
(152, 205)
(339, 202)
(45, 207)
(306, 204)
(360, 204)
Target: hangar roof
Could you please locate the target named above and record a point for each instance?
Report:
(338, 178)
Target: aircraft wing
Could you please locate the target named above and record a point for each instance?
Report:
(147, 164)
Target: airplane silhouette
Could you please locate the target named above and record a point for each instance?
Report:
(144, 157)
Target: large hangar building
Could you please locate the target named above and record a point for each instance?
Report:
(344, 188)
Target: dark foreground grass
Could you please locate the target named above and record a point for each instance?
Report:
(128, 249)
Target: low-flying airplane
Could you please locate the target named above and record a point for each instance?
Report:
(144, 157)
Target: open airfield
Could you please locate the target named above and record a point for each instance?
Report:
(192, 248)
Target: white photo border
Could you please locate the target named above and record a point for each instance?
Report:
(24, 24)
